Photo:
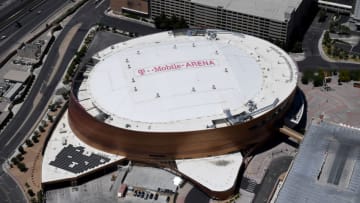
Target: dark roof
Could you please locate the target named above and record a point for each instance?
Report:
(356, 49)
(72, 159)
(327, 167)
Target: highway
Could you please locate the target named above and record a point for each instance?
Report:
(10, 7)
(25, 119)
(23, 22)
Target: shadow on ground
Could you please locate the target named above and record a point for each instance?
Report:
(195, 195)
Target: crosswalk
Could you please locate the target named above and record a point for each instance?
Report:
(249, 185)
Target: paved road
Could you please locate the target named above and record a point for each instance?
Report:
(310, 46)
(10, 7)
(277, 167)
(21, 124)
(29, 21)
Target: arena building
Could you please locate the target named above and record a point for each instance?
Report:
(193, 98)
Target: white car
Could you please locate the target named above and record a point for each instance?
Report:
(2, 37)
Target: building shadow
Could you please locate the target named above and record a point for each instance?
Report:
(301, 127)
(196, 195)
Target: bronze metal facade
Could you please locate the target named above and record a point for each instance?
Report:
(139, 145)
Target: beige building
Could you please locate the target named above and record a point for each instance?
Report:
(274, 20)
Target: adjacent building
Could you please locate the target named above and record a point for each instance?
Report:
(274, 20)
(327, 167)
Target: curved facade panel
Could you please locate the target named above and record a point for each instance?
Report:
(171, 145)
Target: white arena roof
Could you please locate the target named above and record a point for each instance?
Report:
(181, 82)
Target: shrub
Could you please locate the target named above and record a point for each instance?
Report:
(44, 123)
(21, 149)
(36, 133)
(15, 161)
(40, 196)
(163, 22)
(50, 118)
(327, 39)
(31, 192)
(322, 15)
(304, 80)
(20, 157)
(65, 95)
(52, 107)
(355, 75)
(35, 139)
(344, 76)
(22, 167)
(29, 143)
(41, 128)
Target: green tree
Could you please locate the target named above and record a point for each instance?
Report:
(173, 22)
(31, 192)
(20, 157)
(336, 52)
(15, 161)
(41, 128)
(44, 123)
(40, 196)
(344, 30)
(182, 23)
(318, 78)
(322, 15)
(344, 76)
(327, 39)
(304, 79)
(22, 167)
(29, 143)
(36, 133)
(52, 107)
(21, 149)
(355, 75)
(35, 139)
(50, 118)
(297, 47)
(161, 21)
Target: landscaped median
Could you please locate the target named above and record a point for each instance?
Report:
(338, 50)
(25, 165)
